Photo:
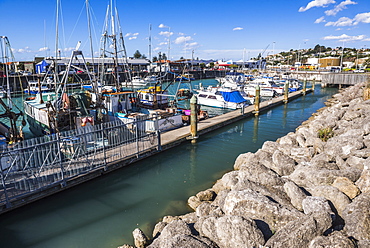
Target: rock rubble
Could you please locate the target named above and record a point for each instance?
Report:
(310, 188)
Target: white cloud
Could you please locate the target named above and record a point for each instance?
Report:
(339, 7)
(191, 45)
(163, 43)
(182, 39)
(157, 49)
(316, 3)
(346, 38)
(132, 38)
(162, 26)
(135, 34)
(44, 49)
(67, 49)
(363, 17)
(237, 28)
(343, 21)
(128, 34)
(166, 33)
(320, 20)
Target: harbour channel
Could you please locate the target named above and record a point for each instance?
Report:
(104, 212)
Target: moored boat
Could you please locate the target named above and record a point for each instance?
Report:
(221, 98)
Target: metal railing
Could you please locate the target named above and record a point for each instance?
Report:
(344, 78)
(37, 164)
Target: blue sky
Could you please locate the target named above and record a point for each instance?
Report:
(216, 29)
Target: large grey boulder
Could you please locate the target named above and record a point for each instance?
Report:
(140, 238)
(300, 232)
(357, 217)
(335, 239)
(336, 197)
(308, 175)
(296, 194)
(231, 231)
(251, 204)
(282, 164)
(346, 186)
(178, 234)
(183, 241)
(363, 182)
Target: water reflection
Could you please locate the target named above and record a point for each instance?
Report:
(255, 128)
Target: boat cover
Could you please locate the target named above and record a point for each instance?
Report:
(233, 96)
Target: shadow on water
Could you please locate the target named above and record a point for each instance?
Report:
(103, 212)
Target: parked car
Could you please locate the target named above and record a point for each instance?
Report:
(359, 70)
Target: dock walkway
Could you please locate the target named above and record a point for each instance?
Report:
(179, 135)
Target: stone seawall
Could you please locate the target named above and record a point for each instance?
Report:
(310, 188)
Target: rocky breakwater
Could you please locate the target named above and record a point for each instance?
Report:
(310, 188)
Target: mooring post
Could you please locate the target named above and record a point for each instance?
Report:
(193, 118)
(313, 84)
(304, 87)
(257, 101)
(286, 92)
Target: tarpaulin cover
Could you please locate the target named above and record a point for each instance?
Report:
(234, 96)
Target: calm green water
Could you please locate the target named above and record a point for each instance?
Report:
(104, 212)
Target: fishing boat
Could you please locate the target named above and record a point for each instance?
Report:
(151, 80)
(62, 109)
(34, 87)
(138, 81)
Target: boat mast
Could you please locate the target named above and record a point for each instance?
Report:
(110, 41)
(14, 135)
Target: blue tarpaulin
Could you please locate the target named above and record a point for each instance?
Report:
(234, 96)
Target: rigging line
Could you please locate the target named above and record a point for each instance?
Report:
(89, 27)
(77, 21)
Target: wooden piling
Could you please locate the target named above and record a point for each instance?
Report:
(193, 118)
(257, 101)
(286, 92)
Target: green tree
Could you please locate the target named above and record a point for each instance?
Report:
(137, 54)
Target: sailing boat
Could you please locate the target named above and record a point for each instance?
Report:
(11, 133)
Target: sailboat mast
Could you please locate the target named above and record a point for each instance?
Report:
(114, 39)
(6, 64)
(150, 42)
(56, 46)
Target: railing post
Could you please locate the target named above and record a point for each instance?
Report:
(59, 144)
(137, 137)
(8, 204)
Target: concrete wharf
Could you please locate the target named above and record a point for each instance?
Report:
(79, 169)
